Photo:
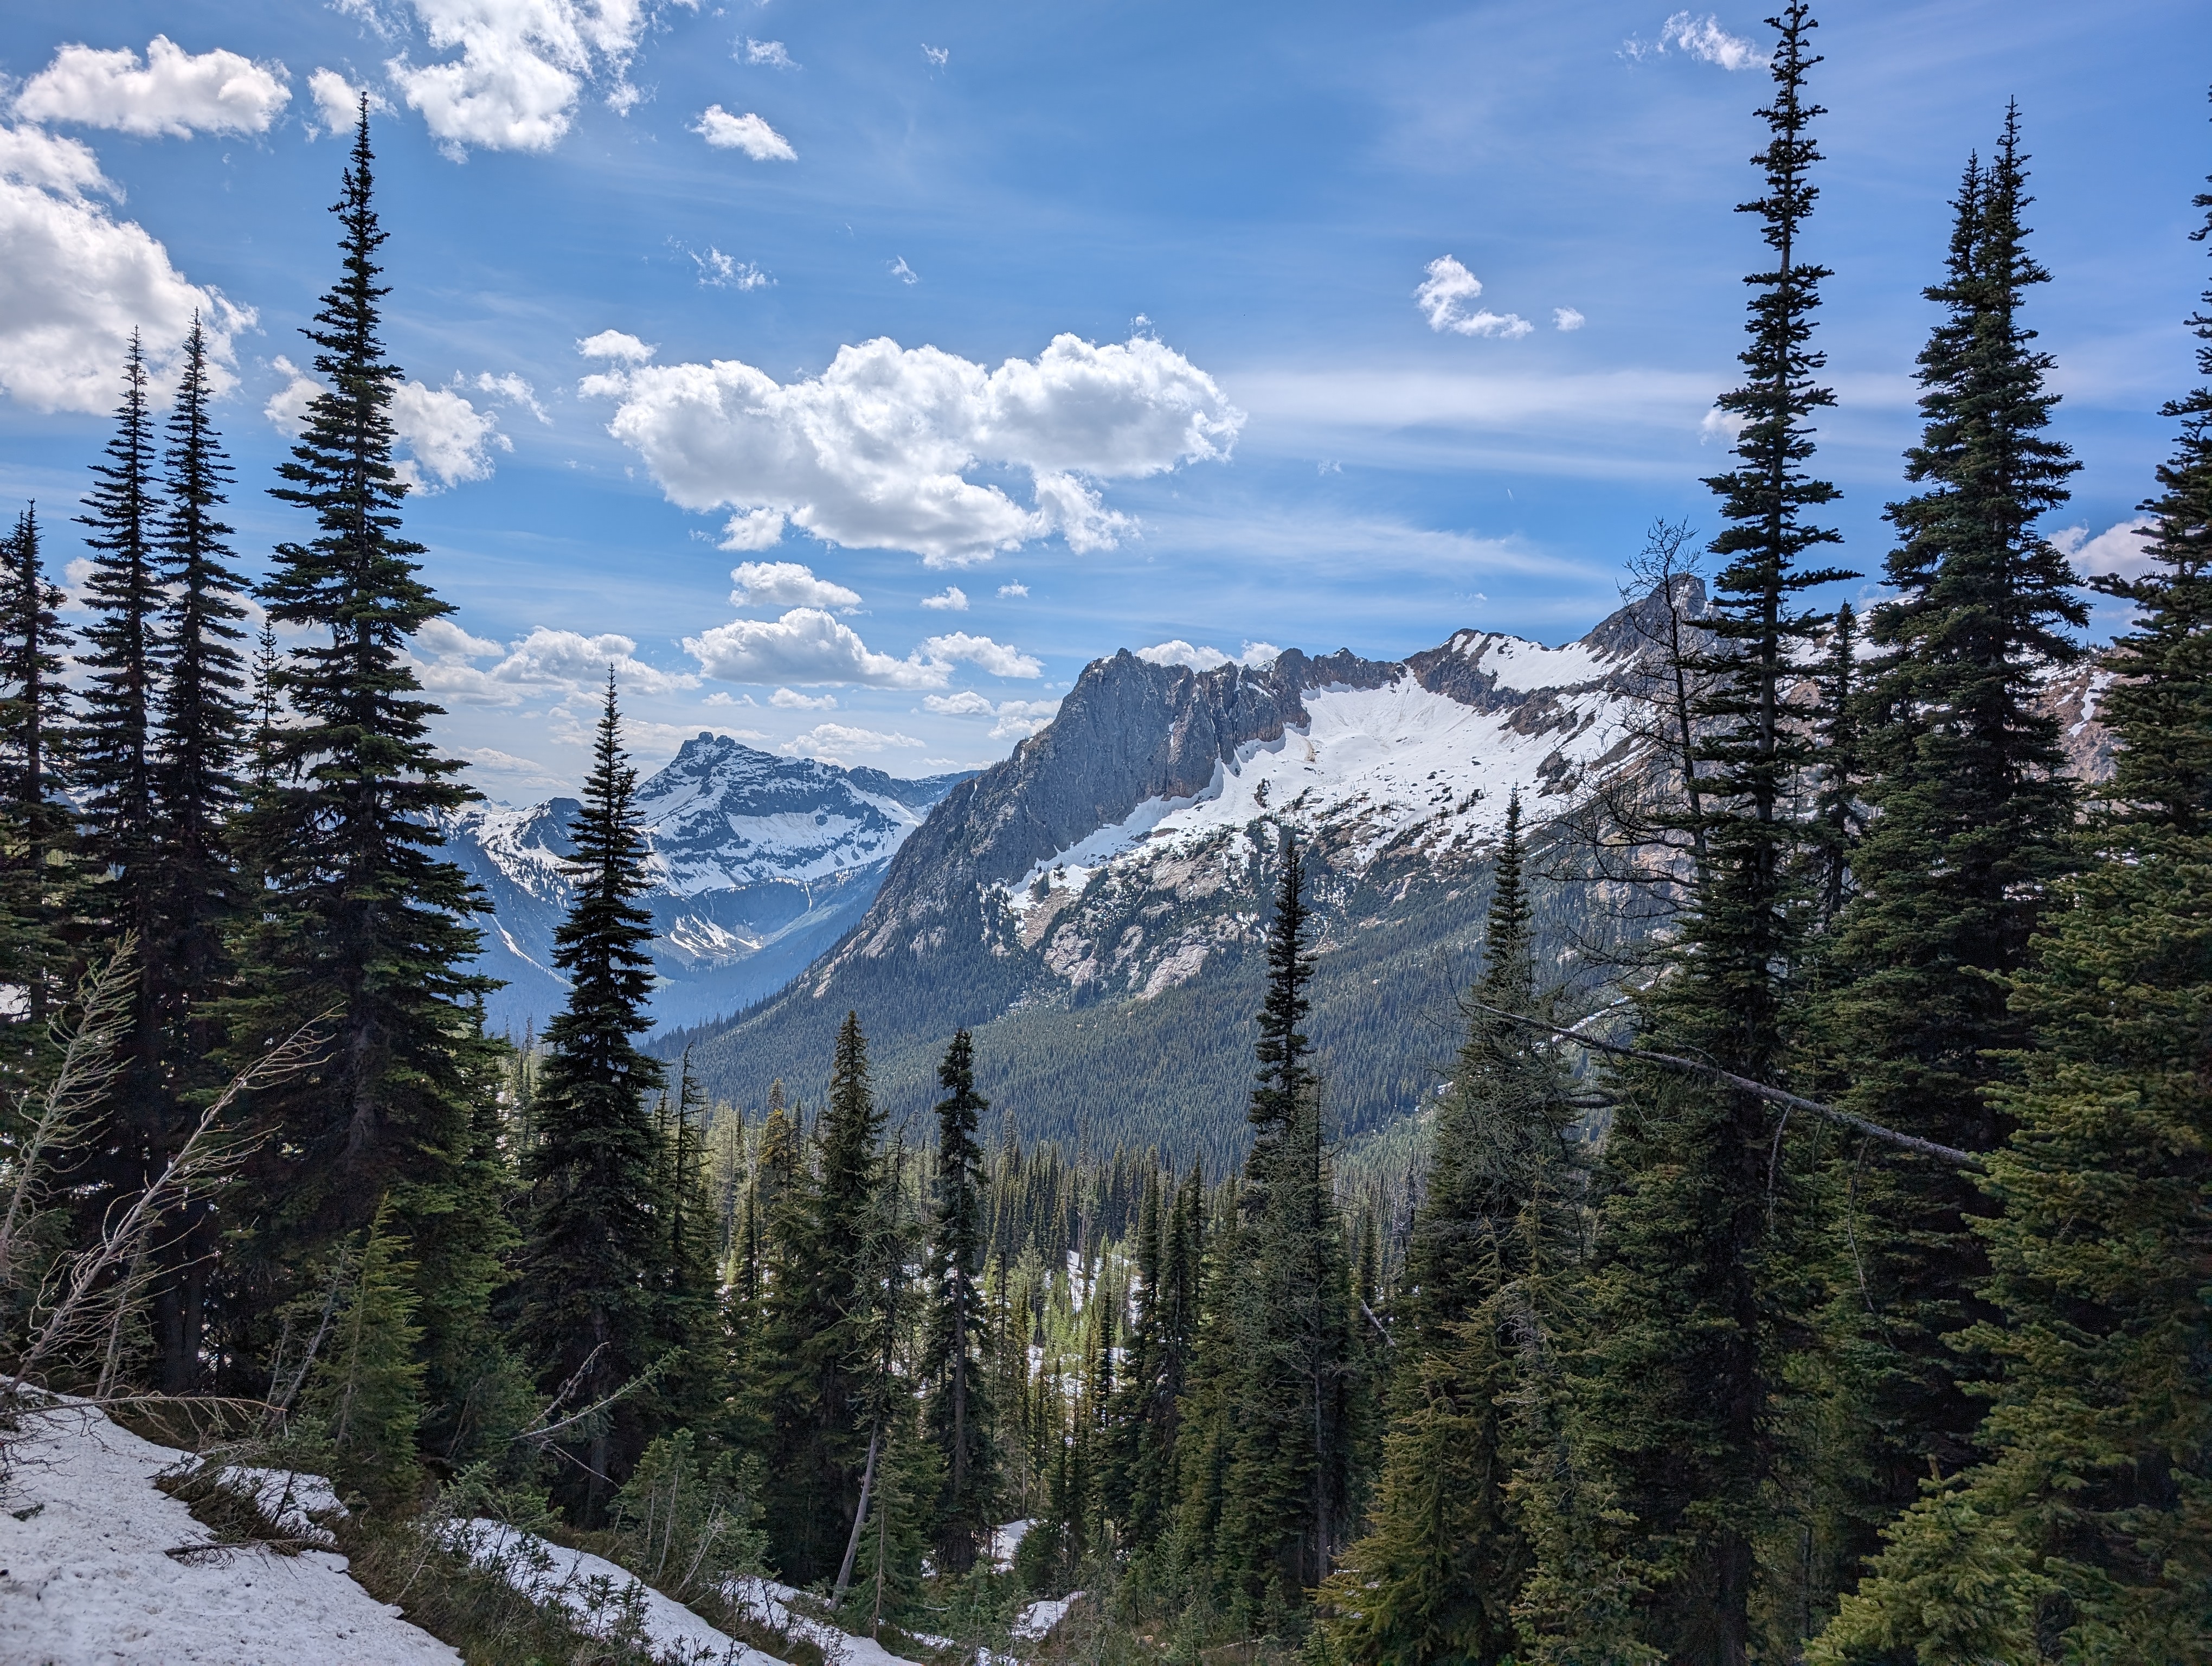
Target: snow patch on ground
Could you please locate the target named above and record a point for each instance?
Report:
(1036, 1620)
(87, 1581)
(1006, 1539)
(290, 1502)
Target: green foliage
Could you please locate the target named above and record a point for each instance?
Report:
(593, 1309)
(37, 833)
(688, 1520)
(957, 1413)
(368, 1385)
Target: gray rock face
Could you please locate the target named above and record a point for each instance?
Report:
(761, 862)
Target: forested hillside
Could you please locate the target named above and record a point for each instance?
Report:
(1692, 1146)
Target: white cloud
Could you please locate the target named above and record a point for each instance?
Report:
(996, 658)
(522, 67)
(173, 94)
(748, 133)
(2118, 551)
(790, 702)
(565, 662)
(718, 271)
(873, 452)
(514, 391)
(1012, 590)
(1566, 317)
(1446, 294)
(809, 648)
(938, 56)
(338, 103)
(1020, 718)
(966, 703)
(526, 771)
(951, 599)
(836, 743)
(905, 273)
(1718, 424)
(787, 584)
(75, 282)
(753, 529)
(616, 345)
(451, 441)
(1704, 39)
(1177, 652)
(767, 52)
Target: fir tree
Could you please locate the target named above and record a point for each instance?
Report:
(199, 740)
(689, 1393)
(35, 819)
(957, 1413)
(1974, 818)
(367, 1385)
(1438, 1575)
(2084, 1530)
(1695, 1296)
(595, 1255)
(360, 917)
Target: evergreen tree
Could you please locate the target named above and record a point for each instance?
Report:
(35, 819)
(199, 740)
(1694, 1305)
(1974, 821)
(367, 1385)
(689, 1393)
(360, 918)
(1286, 1500)
(823, 1310)
(1439, 1573)
(2084, 1530)
(594, 1260)
(957, 1415)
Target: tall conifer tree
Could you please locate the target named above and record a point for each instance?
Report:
(957, 1415)
(1974, 821)
(596, 1254)
(2084, 1532)
(1695, 1301)
(199, 740)
(360, 915)
(36, 823)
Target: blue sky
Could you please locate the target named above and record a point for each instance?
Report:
(1255, 430)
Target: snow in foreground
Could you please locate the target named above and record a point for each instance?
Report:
(86, 1579)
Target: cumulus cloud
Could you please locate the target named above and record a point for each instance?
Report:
(1704, 39)
(788, 700)
(522, 66)
(1020, 718)
(748, 133)
(563, 662)
(1177, 652)
(787, 584)
(874, 452)
(616, 345)
(337, 103)
(769, 54)
(449, 440)
(753, 529)
(2118, 551)
(983, 653)
(966, 703)
(1718, 424)
(1012, 590)
(840, 743)
(1566, 317)
(938, 57)
(809, 648)
(951, 599)
(1446, 296)
(173, 94)
(75, 281)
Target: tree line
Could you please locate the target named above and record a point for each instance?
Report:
(1829, 1286)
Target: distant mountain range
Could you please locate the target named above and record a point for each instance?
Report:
(761, 862)
(1093, 906)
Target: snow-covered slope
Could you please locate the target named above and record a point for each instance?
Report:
(99, 1568)
(760, 862)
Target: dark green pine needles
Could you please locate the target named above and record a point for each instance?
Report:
(36, 823)
(360, 919)
(956, 1411)
(594, 1256)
